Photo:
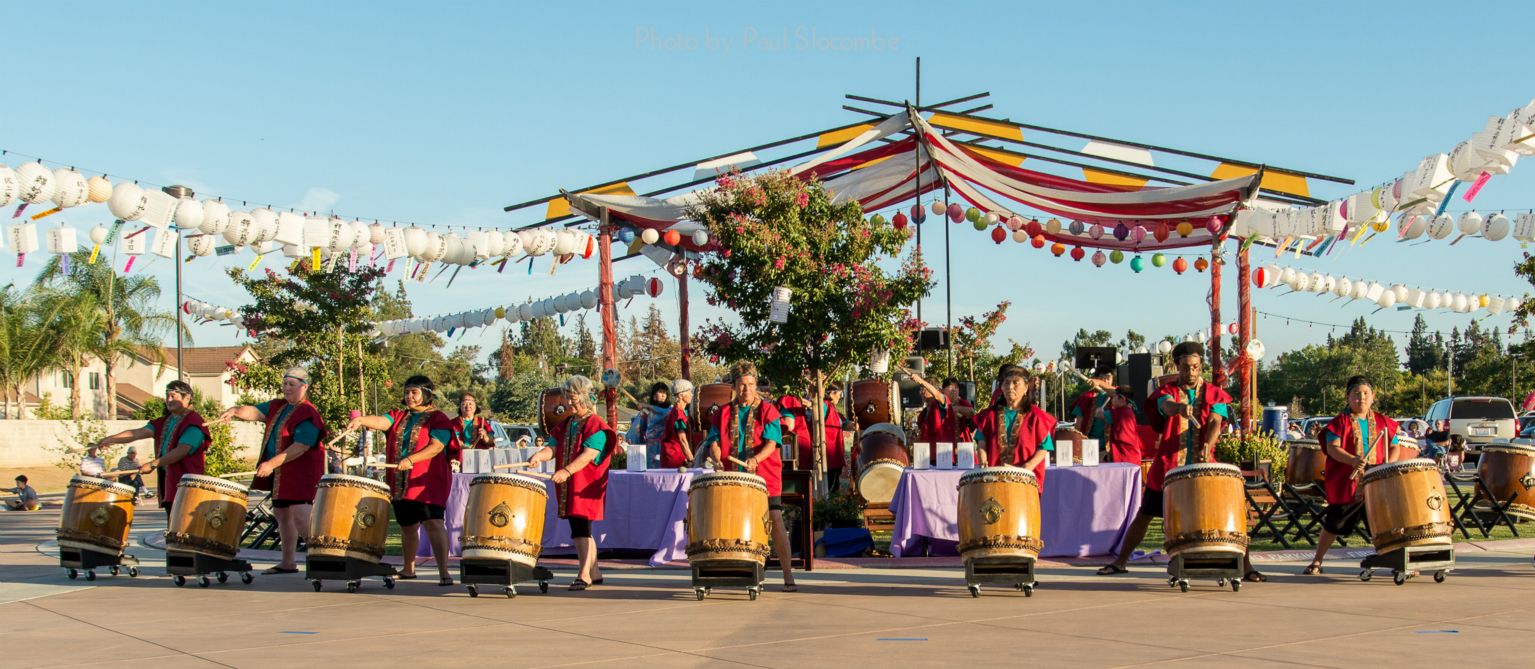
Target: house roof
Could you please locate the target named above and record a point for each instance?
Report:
(131, 398)
(199, 360)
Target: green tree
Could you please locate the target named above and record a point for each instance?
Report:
(219, 458)
(1425, 351)
(28, 325)
(1313, 377)
(80, 324)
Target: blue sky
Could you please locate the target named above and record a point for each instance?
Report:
(446, 113)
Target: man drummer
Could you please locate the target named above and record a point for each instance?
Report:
(580, 446)
(1189, 414)
(292, 459)
(416, 443)
(747, 430)
(1014, 431)
(676, 446)
(946, 417)
(471, 429)
(179, 439)
(1359, 437)
(1091, 407)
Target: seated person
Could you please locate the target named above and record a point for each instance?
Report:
(130, 463)
(1455, 453)
(26, 497)
(93, 464)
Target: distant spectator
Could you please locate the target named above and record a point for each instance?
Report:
(649, 425)
(93, 464)
(130, 463)
(26, 497)
(1456, 453)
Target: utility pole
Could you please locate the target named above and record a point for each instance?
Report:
(180, 193)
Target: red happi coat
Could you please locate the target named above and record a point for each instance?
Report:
(427, 481)
(1031, 428)
(1171, 446)
(769, 468)
(835, 458)
(942, 423)
(295, 480)
(169, 477)
(583, 495)
(793, 407)
(1086, 404)
(672, 454)
(1338, 477)
(1124, 436)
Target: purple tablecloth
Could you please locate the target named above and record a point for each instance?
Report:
(1086, 510)
(645, 510)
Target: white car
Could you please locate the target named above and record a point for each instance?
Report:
(1480, 420)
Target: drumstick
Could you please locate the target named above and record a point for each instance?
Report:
(108, 475)
(732, 458)
(539, 475)
(514, 465)
(236, 475)
(339, 437)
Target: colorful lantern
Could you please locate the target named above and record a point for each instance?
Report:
(1158, 260)
(1116, 256)
(1137, 264)
(899, 221)
(1160, 232)
(1099, 258)
(1180, 265)
(1201, 265)
(999, 234)
(1185, 229)
(1057, 249)
(1077, 253)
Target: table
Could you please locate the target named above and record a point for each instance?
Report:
(645, 511)
(1086, 510)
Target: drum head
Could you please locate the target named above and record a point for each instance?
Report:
(887, 428)
(83, 481)
(353, 481)
(877, 483)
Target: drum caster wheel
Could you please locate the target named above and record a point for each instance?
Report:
(179, 580)
(90, 575)
(133, 572)
(1183, 586)
(474, 591)
(1399, 577)
(1236, 585)
(700, 594)
(975, 591)
(72, 574)
(203, 582)
(1364, 575)
(1220, 583)
(316, 584)
(752, 594)
(1172, 582)
(114, 570)
(543, 587)
(1439, 576)
(510, 592)
(352, 586)
(246, 578)
(1028, 590)
(388, 583)
(223, 577)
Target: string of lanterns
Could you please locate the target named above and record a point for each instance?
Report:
(209, 313)
(631, 287)
(1383, 295)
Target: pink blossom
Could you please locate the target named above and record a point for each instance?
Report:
(778, 262)
(803, 200)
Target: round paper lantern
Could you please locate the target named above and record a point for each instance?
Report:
(625, 235)
(1400, 291)
(215, 217)
(1077, 253)
(992, 218)
(98, 234)
(1158, 260)
(918, 213)
(956, 212)
(1037, 241)
(1496, 228)
(979, 224)
(1361, 289)
(899, 221)
(1213, 225)
(202, 245)
(1034, 228)
(1255, 350)
(452, 249)
(361, 235)
(672, 237)
(1287, 276)
(571, 302)
(189, 214)
(1160, 233)
(1259, 276)
(436, 247)
(1461, 303)
(1180, 265)
(1099, 258)
(1431, 300)
(1076, 227)
(525, 312)
(263, 221)
(1481, 301)
(8, 184)
(128, 202)
(1116, 256)
(1014, 223)
(1096, 232)
(1136, 264)
(1137, 234)
(1185, 229)
(1495, 305)
(1344, 288)
(564, 242)
(1414, 226)
(653, 287)
(544, 240)
(1470, 224)
(70, 188)
(1121, 232)
(701, 238)
(35, 183)
(1441, 226)
(999, 234)
(938, 208)
(1053, 226)
(240, 230)
(972, 214)
(1020, 236)
(650, 236)
(99, 189)
(1201, 265)
(1057, 249)
(511, 243)
(589, 299)
(1316, 282)
(1513, 304)
(1386, 300)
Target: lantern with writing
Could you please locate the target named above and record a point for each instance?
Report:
(70, 188)
(36, 183)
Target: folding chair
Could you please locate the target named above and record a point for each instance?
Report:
(1496, 512)
(1461, 511)
(1263, 503)
(1306, 505)
(260, 526)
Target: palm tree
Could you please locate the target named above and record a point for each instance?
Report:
(28, 329)
(130, 324)
(80, 323)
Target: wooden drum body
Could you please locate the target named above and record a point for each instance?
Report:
(97, 514)
(504, 518)
(552, 410)
(1405, 505)
(874, 403)
(1305, 464)
(207, 517)
(707, 401)
(882, 457)
(1204, 510)
(1508, 471)
(728, 518)
(350, 518)
(999, 514)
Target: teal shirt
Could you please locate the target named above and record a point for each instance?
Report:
(597, 442)
(442, 436)
(1009, 418)
(1096, 426)
(303, 433)
(1363, 426)
(770, 432)
(1189, 437)
(192, 438)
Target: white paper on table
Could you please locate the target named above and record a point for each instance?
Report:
(1063, 453)
(636, 455)
(921, 456)
(964, 455)
(945, 455)
(1089, 452)
(501, 456)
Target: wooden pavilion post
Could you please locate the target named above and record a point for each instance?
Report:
(1247, 375)
(609, 318)
(682, 322)
(1219, 372)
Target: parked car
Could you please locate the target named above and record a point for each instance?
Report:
(1527, 425)
(507, 434)
(1480, 420)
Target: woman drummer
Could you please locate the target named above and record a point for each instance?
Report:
(1013, 431)
(472, 429)
(1359, 437)
(291, 461)
(676, 446)
(416, 443)
(580, 446)
(754, 433)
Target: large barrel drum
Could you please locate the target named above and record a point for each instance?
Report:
(728, 518)
(552, 410)
(999, 513)
(97, 514)
(882, 457)
(707, 401)
(207, 517)
(1204, 510)
(504, 518)
(874, 402)
(1405, 505)
(350, 518)
(1305, 463)
(1508, 472)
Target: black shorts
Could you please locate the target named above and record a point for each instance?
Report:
(775, 503)
(409, 512)
(580, 528)
(285, 503)
(1342, 519)
(1151, 503)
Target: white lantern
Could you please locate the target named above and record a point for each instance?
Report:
(525, 312)
(1302, 282)
(241, 229)
(1255, 350)
(9, 185)
(487, 316)
(479, 244)
(294, 251)
(1415, 298)
(649, 236)
(1400, 291)
(511, 243)
(61, 240)
(134, 245)
(542, 242)
(128, 202)
(165, 243)
(512, 314)
(495, 244)
(202, 245)
(564, 242)
(1361, 289)
(701, 238)
(1316, 283)
(1495, 305)
(1344, 288)
(215, 217)
(1462, 302)
(23, 237)
(415, 241)
(1513, 304)
(573, 302)
(99, 234)
(1386, 299)
(189, 214)
(290, 228)
(1496, 228)
(100, 189)
(376, 233)
(1470, 224)
(436, 248)
(36, 183)
(342, 236)
(1431, 300)
(1441, 226)
(362, 234)
(70, 188)
(317, 233)
(453, 249)
(1414, 226)
(263, 222)
(589, 299)
(394, 244)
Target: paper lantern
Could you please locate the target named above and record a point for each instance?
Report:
(1495, 305)
(189, 214)
(1158, 260)
(1137, 234)
(1099, 258)
(1096, 232)
(1255, 350)
(1037, 241)
(938, 208)
(1121, 232)
(650, 236)
(1400, 291)
(290, 228)
(672, 238)
(992, 218)
(918, 214)
(1441, 226)
(263, 222)
(701, 238)
(1057, 249)
(1136, 264)
(202, 244)
(1387, 299)
(1287, 276)
(9, 186)
(69, 188)
(1513, 304)
(1020, 236)
(564, 242)
(61, 240)
(1076, 227)
(1034, 228)
(1431, 300)
(1260, 277)
(23, 238)
(165, 243)
(973, 215)
(128, 202)
(215, 217)
(1160, 233)
(1077, 253)
(1052, 226)
(899, 221)
(1014, 223)
(362, 235)
(1414, 226)
(35, 183)
(589, 299)
(436, 247)
(1180, 265)
(1213, 225)
(653, 287)
(511, 243)
(415, 241)
(240, 230)
(1185, 229)
(979, 224)
(1470, 224)
(1315, 283)
(543, 240)
(999, 234)
(1201, 265)
(956, 212)
(317, 233)
(99, 234)
(1116, 256)
(1496, 228)
(99, 189)
(454, 251)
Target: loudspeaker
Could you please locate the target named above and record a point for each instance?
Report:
(1137, 374)
(909, 392)
(1090, 359)
(932, 339)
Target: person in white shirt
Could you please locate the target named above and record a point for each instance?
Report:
(93, 464)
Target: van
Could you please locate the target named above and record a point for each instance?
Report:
(1480, 420)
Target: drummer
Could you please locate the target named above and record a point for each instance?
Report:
(836, 457)
(1013, 431)
(1359, 437)
(793, 413)
(472, 429)
(580, 446)
(292, 459)
(754, 434)
(179, 439)
(1123, 431)
(1189, 414)
(676, 449)
(1091, 407)
(946, 417)
(416, 443)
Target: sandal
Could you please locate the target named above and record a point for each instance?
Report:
(791, 587)
(1111, 569)
(405, 577)
(597, 581)
(1255, 577)
(579, 585)
(1313, 569)
(279, 570)
(445, 581)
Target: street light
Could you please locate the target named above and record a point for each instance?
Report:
(180, 193)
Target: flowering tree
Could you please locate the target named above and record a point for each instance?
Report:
(776, 230)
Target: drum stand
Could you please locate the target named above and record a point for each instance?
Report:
(1222, 567)
(181, 564)
(319, 568)
(1017, 572)
(76, 559)
(727, 574)
(501, 572)
(1404, 562)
